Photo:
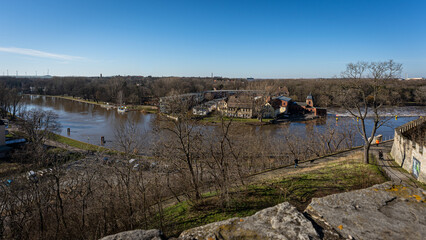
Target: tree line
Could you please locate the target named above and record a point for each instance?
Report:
(147, 90)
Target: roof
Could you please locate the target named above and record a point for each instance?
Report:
(182, 96)
(218, 99)
(302, 104)
(283, 98)
(309, 97)
(200, 107)
(240, 102)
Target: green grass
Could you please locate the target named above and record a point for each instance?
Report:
(217, 119)
(78, 99)
(15, 135)
(144, 108)
(185, 215)
(298, 189)
(81, 145)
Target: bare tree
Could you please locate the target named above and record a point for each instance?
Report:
(295, 145)
(4, 100)
(15, 98)
(39, 125)
(129, 136)
(220, 160)
(180, 144)
(363, 94)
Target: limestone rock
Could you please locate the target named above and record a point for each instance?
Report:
(152, 234)
(382, 211)
(282, 221)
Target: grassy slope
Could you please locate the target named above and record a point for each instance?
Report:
(81, 145)
(76, 99)
(143, 108)
(298, 189)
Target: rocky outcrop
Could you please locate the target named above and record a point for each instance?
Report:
(152, 234)
(380, 212)
(280, 222)
(383, 211)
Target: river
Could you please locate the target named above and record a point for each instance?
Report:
(88, 122)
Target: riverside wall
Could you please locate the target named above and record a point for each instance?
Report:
(409, 154)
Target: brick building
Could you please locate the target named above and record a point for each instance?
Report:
(286, 106)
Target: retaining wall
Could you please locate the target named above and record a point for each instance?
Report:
(410, 155)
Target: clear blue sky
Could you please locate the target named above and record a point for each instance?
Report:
(261, 39)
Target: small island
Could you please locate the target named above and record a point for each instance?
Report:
(243, 104)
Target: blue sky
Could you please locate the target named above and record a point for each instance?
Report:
(261, 39)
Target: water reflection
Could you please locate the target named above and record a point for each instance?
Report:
(88, 123)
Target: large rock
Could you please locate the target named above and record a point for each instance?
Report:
(280, 222)
(380, 212)
(152, 234)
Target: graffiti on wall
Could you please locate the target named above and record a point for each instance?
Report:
(416, 167)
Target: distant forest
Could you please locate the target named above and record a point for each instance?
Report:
(147, 90)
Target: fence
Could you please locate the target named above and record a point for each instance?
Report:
(410, 125)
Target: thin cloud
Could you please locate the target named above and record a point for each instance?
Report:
(36, 53)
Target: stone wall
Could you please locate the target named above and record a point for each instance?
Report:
(407, 153)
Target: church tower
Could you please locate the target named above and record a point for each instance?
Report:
(310, 100)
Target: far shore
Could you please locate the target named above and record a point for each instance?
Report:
(390, 111)
(141, 108)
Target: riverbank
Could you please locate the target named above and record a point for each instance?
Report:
(216, 119)
(78, 145)
(74, 99)
(89, 122)
(140, 108)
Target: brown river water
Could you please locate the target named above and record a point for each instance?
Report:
(88, 122)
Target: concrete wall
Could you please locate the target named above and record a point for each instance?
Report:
(405, 151)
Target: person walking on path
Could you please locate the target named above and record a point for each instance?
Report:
(296, 161)
(381, 155)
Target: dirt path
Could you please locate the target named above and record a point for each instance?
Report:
(277, 173)
(304, 166)
(396, 174)
(391, 169)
